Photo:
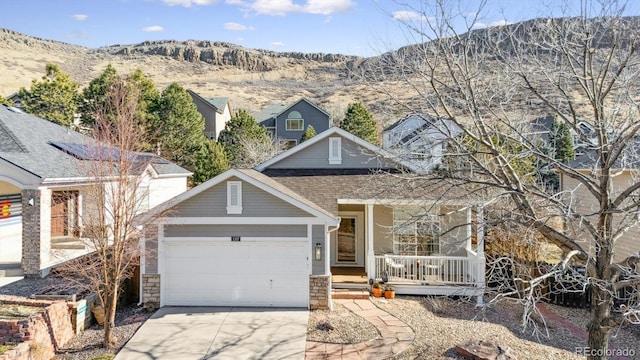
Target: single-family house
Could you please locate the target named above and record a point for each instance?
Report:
(286, 123)
(584, 202)
(44, 187)
(17, 103)
(332, 211)
(420, 138)
(216, 112)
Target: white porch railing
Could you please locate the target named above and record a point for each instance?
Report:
(430, 270)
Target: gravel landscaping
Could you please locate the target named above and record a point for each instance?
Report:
(441, 323)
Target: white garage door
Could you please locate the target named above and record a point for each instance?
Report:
(236, 273)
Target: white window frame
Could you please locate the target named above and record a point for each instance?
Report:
(407, 223)
(288, 128)
(335, 150)
(234, 208)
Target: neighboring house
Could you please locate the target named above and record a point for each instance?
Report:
(286, 123)
(541, 128)
(215, 111)
(420, 138)
(585, 202)
(16, 100)
(44, 188)
(280, 235)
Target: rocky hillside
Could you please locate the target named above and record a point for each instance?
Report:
(249, 78)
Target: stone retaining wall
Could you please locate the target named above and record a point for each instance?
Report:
(40, 335)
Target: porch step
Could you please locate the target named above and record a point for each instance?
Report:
(67, 244)
(349, 294)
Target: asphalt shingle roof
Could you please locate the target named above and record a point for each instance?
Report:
(25, 141)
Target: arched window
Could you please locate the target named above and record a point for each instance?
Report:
(294, 121)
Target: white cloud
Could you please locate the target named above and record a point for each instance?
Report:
(237, 27)
(154, 28)
(188, 3)
(277, 43)
(405, 15)
(328, 7)
(480, 25)
(80, 17)
(282, 7)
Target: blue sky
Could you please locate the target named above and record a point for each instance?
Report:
(352, 27)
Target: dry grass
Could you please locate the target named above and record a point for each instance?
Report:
(17, 312)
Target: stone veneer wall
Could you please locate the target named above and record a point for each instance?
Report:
(151, 291)
(320, 292)
(39, 336)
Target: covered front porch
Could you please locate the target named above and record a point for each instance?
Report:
(420, 248)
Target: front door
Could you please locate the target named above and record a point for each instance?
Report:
(349, 240)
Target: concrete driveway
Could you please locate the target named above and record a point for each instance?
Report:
(220, 333)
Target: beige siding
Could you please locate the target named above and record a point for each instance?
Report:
(235, 230)
(585, 203)
(454, 228)
(255, 203)
(316, 156)
(383, 223)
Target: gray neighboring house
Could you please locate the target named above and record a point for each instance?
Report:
(286, 123)
(44, 190)
(215, 111)
(420, 138)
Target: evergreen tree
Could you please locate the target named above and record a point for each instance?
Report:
(359, 121)
(211, 160)
(561, 141)
(308, 133)
(177, 127)
(54, 97)
(241, 131)
(94, 96)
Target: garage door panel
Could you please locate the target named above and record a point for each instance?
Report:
(238, 274)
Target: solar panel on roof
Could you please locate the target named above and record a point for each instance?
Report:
(89, 152)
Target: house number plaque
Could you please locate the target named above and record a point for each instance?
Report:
(235, 238)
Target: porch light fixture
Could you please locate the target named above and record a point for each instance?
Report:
(31, 202)
(318, 251)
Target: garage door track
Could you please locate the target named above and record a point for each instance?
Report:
(219, 333)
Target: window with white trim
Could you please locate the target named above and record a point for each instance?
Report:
(234, 197)
(416, 231)
(335, 150)
(294, 122)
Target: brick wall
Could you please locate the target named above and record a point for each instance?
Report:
(39, 336)
(151, 291)
(320, 292)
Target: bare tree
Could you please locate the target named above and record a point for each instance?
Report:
(492, 83)
(116, 196)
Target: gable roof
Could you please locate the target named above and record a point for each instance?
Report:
(333, 131)
(444, 126)
(29, 143)
(254, 178)
(217, 103)
(275, 110)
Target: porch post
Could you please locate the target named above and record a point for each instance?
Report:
(327, 250)
(370, 263)
(481, 261)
